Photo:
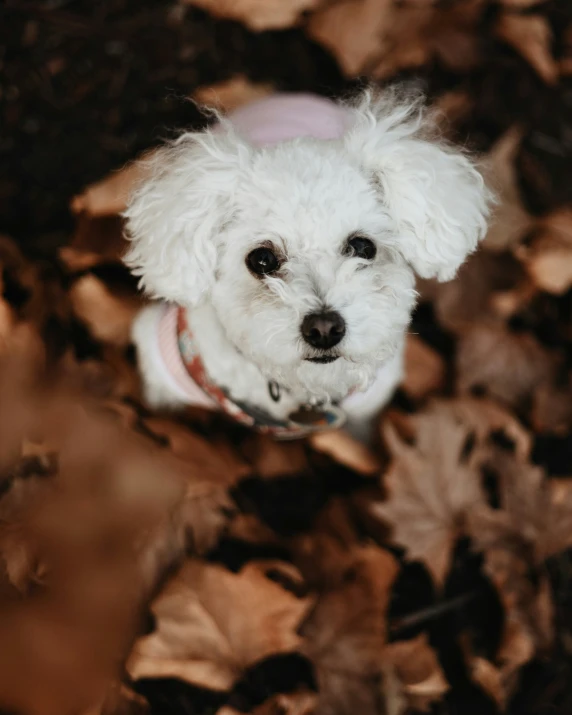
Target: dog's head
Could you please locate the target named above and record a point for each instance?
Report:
(307, 249)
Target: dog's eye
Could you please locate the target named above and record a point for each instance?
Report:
(262, 261)
(360, 247)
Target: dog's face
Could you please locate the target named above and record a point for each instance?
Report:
(307, 249)
(307, 284)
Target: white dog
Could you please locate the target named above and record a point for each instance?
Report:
(283, 244)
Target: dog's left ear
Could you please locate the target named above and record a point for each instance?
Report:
(433, 192)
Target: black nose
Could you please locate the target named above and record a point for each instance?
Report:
(323, 330)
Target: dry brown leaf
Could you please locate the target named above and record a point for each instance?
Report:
(346, 632)
(510, 221)
(109, 196)
(354, 31)
(507, 366)
(325, 553)
(108, 317)
(258, 15)
(531, 36)
(432, 487)
(212, 624)
(417, 668)
(531, 513)
(404, 39)
(482, 418)
(97, 239)
(270, 458)
(232, 93)
(210, 469)
(552, 408)
(343, 448)
(479, 293)
(534, 522)
(421, 32)
(548, 257)
(88, 523)
(549, 263)
(489, 677)
(424, 368)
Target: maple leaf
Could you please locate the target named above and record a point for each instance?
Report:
(213, 624)
(432, 487)
(509, 366)
(533, 523)
(533, 514)
(346, 631)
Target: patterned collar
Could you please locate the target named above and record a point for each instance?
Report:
(306, 420)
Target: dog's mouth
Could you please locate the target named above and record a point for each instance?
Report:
(323, 359)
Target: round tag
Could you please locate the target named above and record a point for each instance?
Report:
(318, 418)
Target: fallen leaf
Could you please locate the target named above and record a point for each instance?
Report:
(343, 448)
(325, 553)
(108, 317)
(549, 263)
(531, 513)
(97, 239)
(404, 39)
(209, 471)
(533, 523)
(258, 15)
(345, 634)
(271, 458)
(417, 668)
(354, 31)
(425, 32)
(505, 365)
(432, 487)
(424, 368)
(213, 624)
(109, 196)
(489, 677)
(552, 408)
(548, 256)
(232, 93)
(475, 293)
(484, 418)
(531, 36)
(510, 220)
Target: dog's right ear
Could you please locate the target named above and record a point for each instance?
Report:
(174, 217)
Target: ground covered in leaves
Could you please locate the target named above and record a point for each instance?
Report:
(180, 565)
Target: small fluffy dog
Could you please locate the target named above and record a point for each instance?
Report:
(283, 245)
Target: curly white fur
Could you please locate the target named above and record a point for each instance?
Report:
(212, 197)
